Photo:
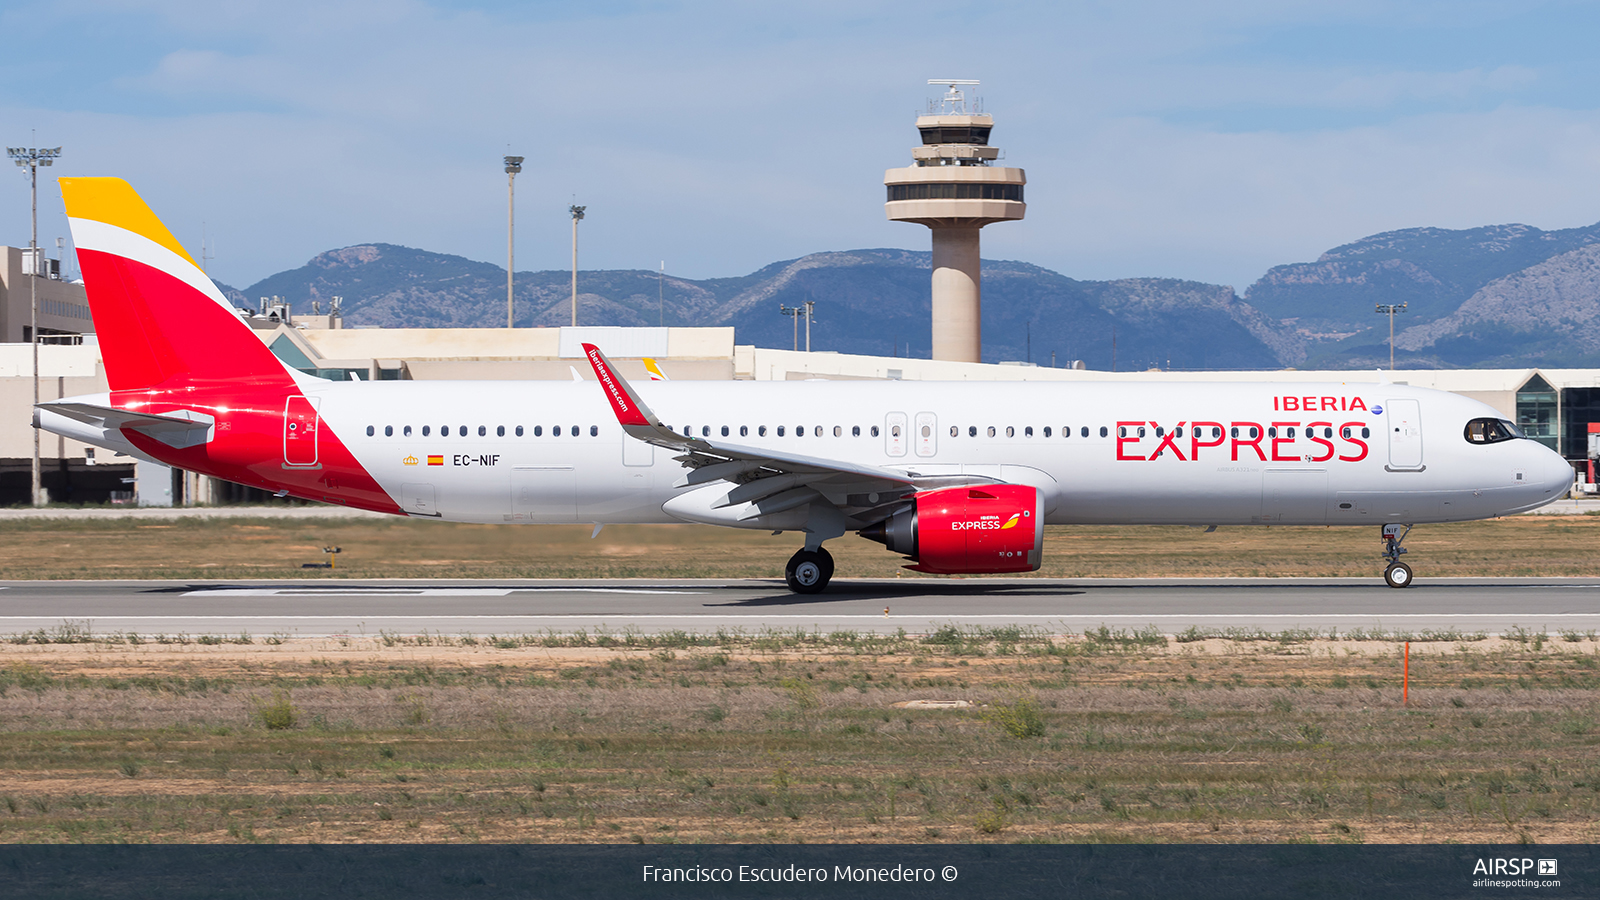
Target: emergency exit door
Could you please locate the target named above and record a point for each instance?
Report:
(1404, 421)
(300, 427)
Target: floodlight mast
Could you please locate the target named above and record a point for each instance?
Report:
(31, 158)
(577, 216)
(513, 166)
(1390, 309)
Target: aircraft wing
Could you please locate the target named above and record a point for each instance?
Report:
(770, 479)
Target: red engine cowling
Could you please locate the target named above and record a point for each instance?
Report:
(968, 530)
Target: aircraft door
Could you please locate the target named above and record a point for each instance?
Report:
(926, 434)
(894, 434)
(418, 500)
(544, 494)
(637, 452)
(300, 426)
(1404, 421)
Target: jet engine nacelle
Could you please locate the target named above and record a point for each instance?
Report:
(968, 530)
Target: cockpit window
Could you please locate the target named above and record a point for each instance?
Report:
(1491, 431)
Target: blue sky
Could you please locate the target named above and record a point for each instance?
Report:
(1205, 141)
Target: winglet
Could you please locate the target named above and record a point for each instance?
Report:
(630, 410)
(655, 371)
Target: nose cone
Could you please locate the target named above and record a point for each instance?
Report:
(1548, 476)
(1552, 473)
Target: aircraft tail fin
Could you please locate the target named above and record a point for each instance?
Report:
(158, 317)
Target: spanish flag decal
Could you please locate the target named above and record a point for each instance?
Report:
(435, 459)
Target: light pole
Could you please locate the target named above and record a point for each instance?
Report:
(810, 304)
(513, 166)
(32, 158)
(1390, 309)
(577, 216)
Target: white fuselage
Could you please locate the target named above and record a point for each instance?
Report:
(573, 463)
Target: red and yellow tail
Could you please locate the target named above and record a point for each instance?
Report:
(157, 316)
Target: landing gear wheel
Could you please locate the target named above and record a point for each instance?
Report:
(1397, 575)
(809, 571)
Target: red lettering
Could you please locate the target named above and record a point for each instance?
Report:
(1194, 438)
(1352, 426)
(1355, 404)
(1253, 444)
(1308, 404)
(1290, 404)
(1274, 403)
(1166, 441)
(1280, 438)
(1311, 432)
(1123, 439)
(1330, 403)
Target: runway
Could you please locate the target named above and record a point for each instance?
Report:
(317, 608)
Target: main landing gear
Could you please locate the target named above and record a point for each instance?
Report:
(1397, 574)
(808, 571)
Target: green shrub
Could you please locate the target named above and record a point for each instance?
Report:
(279, 713)
(1019, 718)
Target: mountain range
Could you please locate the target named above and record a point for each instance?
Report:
(1504, 295)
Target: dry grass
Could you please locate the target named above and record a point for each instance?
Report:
(234, 548)
(790, 738)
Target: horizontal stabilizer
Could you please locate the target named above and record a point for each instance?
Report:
(177, 428)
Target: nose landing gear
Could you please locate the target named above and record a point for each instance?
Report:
(808, 571)
(1397, 574)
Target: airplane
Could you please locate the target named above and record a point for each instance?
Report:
(958, 477)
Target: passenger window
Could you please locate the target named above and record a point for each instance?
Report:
(574, 431)
(444, 431)
(895, 431)
(371, 431)
(483, 431)
(991, 431)
(1027, 432)
(519, 431)
(1344, 432)
(1141, 431)
(1160, 431)
(462, 431)
(1234, 431)
(406, 431)
(972, 431)
(705, 431)
(1366, 432)
(1047, 431)
(594, 431)
(1216, 431)
(388, 431)
(1010, 431)
(762, 431)
(818, 431)
(927, 431)
(837, 431)
(425, 431)
(955, 430)
(724, 431)
(855, 431)
(744, 430)
(1291, 433)
(799, 431)
(538, 431)
(555, 431)
(1271, 432)
(874, 431)
(780, 431)
(1178, 432)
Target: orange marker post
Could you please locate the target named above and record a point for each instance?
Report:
(1405, 690)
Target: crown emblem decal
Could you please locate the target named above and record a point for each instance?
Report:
(410, 460)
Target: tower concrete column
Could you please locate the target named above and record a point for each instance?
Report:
(953, 188)
(957, 294)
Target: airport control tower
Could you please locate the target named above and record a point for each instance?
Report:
(952, 188)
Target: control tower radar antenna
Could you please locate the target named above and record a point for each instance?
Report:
(954, 101)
